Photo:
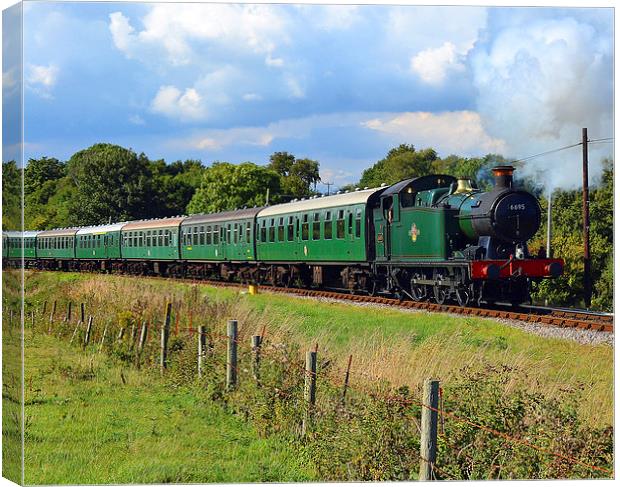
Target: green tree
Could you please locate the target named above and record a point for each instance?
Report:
(298, 176)
(176, 184)
(228, 186)
(567, 244)
(51, 205)
(402, 162)
(11, 196)
(113, 184)
(39, 171)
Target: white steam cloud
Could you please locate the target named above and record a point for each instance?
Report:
(538, 84)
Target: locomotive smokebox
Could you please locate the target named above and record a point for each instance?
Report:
(503, 176)
(505, 214)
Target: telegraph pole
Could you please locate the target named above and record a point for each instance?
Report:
(328, 186)
(587, 282)
(549, 225)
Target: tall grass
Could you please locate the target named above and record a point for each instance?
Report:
(484, 377)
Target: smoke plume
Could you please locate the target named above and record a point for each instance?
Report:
(539, 82)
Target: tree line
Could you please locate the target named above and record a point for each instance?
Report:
(108, 183)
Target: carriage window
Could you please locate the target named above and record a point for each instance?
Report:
(305, 228)
(291, 229)
(167, 239)
(316, 227)
(235, 233)
(194, 235)
(216, 235)
(141, 239)
(228, 233)
(135, 239)
(272, 230)
(248, 232)
(263, 231)
(148, 238)
(208, 235)
(202, 235)
(340, 224)
(358, 223)
(160, 238)
(281, 229)
(350, 223)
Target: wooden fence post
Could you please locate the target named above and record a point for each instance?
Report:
(68, 315)
(231, 356)
(132, 335)
(82, 316)
(77, 327)
(52, 316)
(103, 335)
(165, 334)
(309, 389)
(202, 348)
(89, 328)
(256, 344)
(346, 380)
(44, 310)
(142, 340)
(428, 439)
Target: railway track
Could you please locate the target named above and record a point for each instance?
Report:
(558, 317)
(562, 318)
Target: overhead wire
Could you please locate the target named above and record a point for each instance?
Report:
(559, 149)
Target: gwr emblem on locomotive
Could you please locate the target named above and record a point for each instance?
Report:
(414, 232)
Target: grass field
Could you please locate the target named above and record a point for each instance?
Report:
(399, 346)
(94, 418)
(84, 425)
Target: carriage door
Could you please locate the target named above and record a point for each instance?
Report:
(383, 228)
(379, 229)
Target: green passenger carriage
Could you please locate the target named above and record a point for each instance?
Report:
(226, 236)
(150, 243)
(322, 229)
(98, 244)
(14, 243)
(56, 246)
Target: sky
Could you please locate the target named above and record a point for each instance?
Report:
(339, 84)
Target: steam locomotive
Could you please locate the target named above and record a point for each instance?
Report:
(434, 237)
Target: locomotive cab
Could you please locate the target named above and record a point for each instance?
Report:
(407, 219)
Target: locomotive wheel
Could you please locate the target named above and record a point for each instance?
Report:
(463, 296)
(441, 294)
(418, 291)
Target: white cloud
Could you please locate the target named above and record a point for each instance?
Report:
(459, 132)
(45, 76)
(123, 34)
(208, 144)
(295, 88)
(539, 82)
(41, 79)
(136, 120)
(173, 28)
(293, 128)
(274, 62)
(170, 101)
(252, 97)
(434, 64)
(336, 177)
(332, 17)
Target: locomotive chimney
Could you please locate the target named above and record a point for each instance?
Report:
(503, 176)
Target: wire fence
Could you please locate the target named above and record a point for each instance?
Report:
(143, 339)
